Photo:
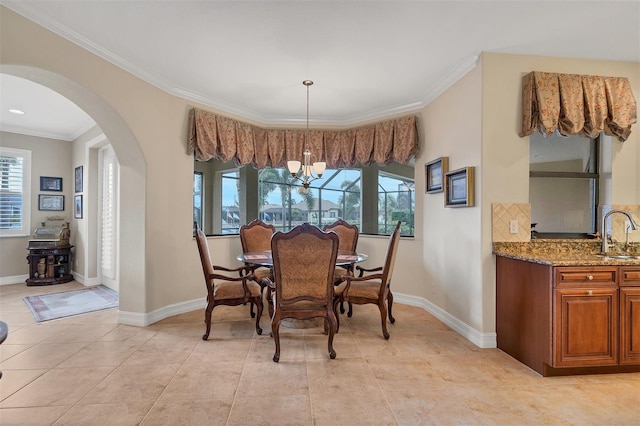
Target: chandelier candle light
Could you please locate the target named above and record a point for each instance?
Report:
(306, 174)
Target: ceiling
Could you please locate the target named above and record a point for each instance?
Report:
(368, 59)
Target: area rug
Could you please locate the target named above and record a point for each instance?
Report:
(51, 306)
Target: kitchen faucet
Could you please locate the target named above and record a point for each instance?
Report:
(605, 244)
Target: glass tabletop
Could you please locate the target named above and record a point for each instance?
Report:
(263, 258)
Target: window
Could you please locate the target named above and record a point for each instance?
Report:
(563, 185)
(15, 192)
(284, 203)
(197, 199)
(227, 196)
(230, 214)
(396, 201)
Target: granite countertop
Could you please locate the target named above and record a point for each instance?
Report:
(560, 253)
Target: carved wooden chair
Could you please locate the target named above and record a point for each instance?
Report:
(223, 289)
(256, 236)
(304, 261)
(375, 287)
(348, 235)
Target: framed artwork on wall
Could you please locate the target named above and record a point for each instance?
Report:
(434, 172)
(48, 183)
(77, 207)
(458, 188)
(50, 202)
(78, 178)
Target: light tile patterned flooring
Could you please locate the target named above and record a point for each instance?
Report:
(89, 369)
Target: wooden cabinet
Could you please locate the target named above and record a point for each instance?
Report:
(629, 315)
(569, 320)
(585, 323)
(49, 265)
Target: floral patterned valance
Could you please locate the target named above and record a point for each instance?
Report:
(574, 104)
(215, 136)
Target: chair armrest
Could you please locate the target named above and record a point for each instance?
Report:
(226, 277)
(350, 279)
(363, 270)
(241, 270)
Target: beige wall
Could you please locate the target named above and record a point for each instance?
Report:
(452, 127)
(49, 157)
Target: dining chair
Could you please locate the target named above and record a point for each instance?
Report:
(256, 236)
(304, 261)
(348, 236)
(375, 287)
(223, 289)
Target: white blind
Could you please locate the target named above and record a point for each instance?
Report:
(14, 191)
(108, 213)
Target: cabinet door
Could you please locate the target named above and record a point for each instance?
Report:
(585, 327)
(630, 325)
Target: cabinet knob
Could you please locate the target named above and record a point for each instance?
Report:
(589, 292)
(590, 277)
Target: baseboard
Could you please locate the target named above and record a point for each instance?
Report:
(142, 320)
(482, 340)
(16, 279)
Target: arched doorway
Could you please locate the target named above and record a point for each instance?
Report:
(131, 257)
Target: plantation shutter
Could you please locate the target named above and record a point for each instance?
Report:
(14, 191)
(108, 222)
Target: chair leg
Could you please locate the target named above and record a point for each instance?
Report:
(333, 325)
(390, 303)
(207, 320)
(383, 318)
(259, 303)
(335, 309)
(275, 332)
(350, 313)
(342, 307)
(269, 303)
(253, 315)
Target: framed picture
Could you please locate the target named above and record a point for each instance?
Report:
(51, 202)
(77, 207)
(458, 188)
(78, 179)
(48, 183)
(434, 172)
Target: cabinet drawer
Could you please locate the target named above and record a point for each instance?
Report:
(585, 276)
(630, 275)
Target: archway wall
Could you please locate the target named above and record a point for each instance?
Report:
(159, 264)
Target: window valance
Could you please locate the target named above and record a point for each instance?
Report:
(215, 136)
(577, 104)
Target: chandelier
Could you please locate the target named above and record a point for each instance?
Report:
(304, 173)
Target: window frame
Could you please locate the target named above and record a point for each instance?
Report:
(25, 228)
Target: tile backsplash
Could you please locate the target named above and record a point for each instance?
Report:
(501, 216)
(617, 223)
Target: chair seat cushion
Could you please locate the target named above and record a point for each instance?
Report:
(233, 290)
(339, 289)
(364, 289)
(262, 273)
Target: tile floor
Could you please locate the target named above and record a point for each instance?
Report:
(90, 370)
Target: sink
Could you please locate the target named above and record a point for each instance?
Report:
(620, 255)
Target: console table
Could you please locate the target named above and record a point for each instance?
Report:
(49, 265)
